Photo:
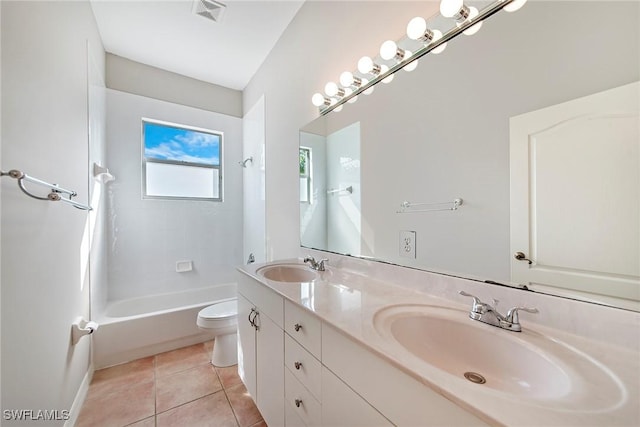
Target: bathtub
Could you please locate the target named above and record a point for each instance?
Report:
(144, 326)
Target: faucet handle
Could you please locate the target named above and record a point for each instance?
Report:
(512, 315)
(321, 264)
(477, 304)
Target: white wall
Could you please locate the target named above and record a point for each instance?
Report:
(253, 182)
(140, 79)
(44, 133)
(147, 237)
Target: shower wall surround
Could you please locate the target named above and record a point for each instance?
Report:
(147, 237)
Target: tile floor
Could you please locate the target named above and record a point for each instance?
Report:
(176, 388)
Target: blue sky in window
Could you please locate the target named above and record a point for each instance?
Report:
(183, 145)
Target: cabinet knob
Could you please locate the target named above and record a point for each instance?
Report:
(298, 365)
(297, 327)
(298, 403)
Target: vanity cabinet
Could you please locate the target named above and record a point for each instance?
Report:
(261, 348)
(302, 371)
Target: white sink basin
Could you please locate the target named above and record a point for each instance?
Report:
(520, 364)
(289, 273)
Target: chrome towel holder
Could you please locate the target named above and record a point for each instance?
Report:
(407, 207)
(56, 193)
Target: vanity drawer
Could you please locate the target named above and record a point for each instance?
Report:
(303, 326)
(306, 368)
(300, 401)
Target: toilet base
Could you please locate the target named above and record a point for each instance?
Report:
(225, 350)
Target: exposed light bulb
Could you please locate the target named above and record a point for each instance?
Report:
(515, 5)
(352, 100)
(388, 50)
(437, 35)
(389, 78)
(450, 8)
(319, 100)
(369, 90)
(367, 66)
(416, 28)
(346, 79)
(473, 12)
(411, 66)
(333, 90)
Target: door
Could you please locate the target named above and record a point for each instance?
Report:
(246, 344)
(575, 190)
(270, 369)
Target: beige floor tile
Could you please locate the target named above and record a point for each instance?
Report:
(181, 359)
(229, 376)
(119, 409)
(147, 422)
(120, 377)
(243, 406)
(185, 386)
(208, 348)
(209, 411)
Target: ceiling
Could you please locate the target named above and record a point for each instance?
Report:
(167, 34)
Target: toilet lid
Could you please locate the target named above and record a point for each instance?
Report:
(220, 310)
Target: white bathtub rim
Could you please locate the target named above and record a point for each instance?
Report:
(104, 318)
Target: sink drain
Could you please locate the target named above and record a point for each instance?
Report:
(474, 377)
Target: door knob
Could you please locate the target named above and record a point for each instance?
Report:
(520, 256)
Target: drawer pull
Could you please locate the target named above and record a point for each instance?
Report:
(298, 403)
(298, 365)
(297, 327)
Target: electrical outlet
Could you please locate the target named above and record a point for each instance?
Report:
(407, 246)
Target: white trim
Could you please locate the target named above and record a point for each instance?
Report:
(76, 407)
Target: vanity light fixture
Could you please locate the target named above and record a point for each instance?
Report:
(473, 12)
(347, 79)
(417, 30)
(515, 5)
(455, 9)
(333, 90)
(367, 66)
(320, 100)
(468, 20)
(390, 51)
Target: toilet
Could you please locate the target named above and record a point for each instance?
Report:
(221, 320)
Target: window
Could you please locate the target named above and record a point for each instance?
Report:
(305, 175)
(181, 162)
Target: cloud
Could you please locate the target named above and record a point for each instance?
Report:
(198, 140)
(168, 151)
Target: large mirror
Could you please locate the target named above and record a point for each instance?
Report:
(445, 132)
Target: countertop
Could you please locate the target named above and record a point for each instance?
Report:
(607, 392)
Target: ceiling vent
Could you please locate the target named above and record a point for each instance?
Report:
(210, 9)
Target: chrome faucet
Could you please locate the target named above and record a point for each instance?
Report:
(315, 265)
(488, 314)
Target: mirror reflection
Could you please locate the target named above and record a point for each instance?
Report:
(446, 131)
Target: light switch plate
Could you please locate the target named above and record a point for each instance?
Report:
(407, 242)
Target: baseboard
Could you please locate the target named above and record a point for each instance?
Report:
(76, 407)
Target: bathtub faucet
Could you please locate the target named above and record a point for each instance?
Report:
(315, 265)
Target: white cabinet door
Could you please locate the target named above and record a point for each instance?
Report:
(575, 195)
(246, 345)
(270, 370)
(341, 406)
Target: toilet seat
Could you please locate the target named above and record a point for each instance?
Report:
(219, 315)
(220, 310)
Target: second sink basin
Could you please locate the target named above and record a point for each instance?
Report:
(521, 365)
(289, 273)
